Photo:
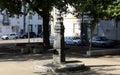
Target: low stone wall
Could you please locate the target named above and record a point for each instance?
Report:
(103, 52)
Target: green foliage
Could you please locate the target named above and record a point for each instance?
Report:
(98, 9)
(39, 6)
(11, 6)
(42, 7)
(114, 9)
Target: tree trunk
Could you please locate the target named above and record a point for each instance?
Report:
(46, 30)
(92, 27)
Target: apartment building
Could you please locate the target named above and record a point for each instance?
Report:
(15, 24)
(108, 29)
(72, 25)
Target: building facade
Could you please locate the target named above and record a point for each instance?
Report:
(10, 24)
(70, 22)
(108, 29)
(72, 26)
(33, 23)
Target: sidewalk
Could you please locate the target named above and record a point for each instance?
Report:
(25, 64)
(14, 63)
(108, 64)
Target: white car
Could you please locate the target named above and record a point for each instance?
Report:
(9, 36)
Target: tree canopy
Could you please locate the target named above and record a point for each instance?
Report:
(41, 7)
(104, 9)
(97, 9)
(114, 9)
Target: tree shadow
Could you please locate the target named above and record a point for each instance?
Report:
(24, 57)
(105, 67)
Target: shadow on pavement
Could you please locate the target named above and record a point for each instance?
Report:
(13, 54)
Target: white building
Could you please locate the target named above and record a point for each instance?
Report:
(10, 25)
(34, 23)
(73, 26)
(108, 29)
(16, 24)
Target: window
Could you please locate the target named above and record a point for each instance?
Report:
(30, 28)
(39, 29)
(15, 28)
(5, 20)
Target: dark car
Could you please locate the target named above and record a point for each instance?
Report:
(31, 35)
(40, 34)
(102, 41)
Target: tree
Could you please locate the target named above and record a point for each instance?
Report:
(97, 9)
(114, 11)
(42, 7)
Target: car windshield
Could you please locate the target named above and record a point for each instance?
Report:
(103, 38)
(76, 38)
(12, 34)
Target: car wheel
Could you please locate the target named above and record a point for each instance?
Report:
(65, 43)
(103, 45)
(75, 44)
(6, 38)
(2, 38)
(16, 37)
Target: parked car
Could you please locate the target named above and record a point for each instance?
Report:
(51, 38)
(31, 35)
(40, 34)
(9, 36)
(77, 41)
(102, 41)
(72, 40)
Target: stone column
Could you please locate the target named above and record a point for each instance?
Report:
(59, 54)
